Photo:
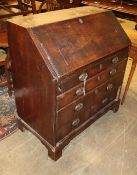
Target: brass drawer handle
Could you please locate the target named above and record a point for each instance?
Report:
(76, 122)
(83, 76)
(79, 107)
(98, 78)
(80, 91)
(104, 100)
(101, 66)
(115, 60)
(113, 72)
(110, 87)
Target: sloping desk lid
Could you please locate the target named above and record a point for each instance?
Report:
(89, 35)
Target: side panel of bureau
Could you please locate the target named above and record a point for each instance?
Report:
(33, 83)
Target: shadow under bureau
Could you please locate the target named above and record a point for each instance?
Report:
(68, 67)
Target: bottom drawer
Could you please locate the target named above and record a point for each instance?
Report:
(107, 93)
(72, 116)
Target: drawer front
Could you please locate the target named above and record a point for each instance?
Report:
(73, 115)
(107, 93)
(78, 91)
(89, 71)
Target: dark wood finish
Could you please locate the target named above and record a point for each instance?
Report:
(47, 59)
(126, 7)
(72, 94)
(136, 24)
(91, 70)
(64, 53)
(3, 40)
(69, 118)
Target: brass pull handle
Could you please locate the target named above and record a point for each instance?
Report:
(98, 78)
(80, 91)
(76, 122)
(79, 107)
(104, 100)
(83, 76)
(110, 87)
(101, 66)
(115, 60)
(113, 72)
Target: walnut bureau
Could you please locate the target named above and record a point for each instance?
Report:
(68, 68)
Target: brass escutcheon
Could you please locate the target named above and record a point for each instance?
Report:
(76, 122)
(79, 107)
(113, 72)
(99, 78)
(83, 76)
(70, 1)
(80, 91)
(110, 87)
(104, 100)
(115, 60)
(101, 66)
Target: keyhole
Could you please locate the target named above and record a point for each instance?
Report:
(81, 21)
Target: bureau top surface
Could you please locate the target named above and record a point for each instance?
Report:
(31, 21)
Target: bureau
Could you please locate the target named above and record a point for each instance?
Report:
(67, 67)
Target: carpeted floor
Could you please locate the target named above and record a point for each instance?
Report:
(8, 121)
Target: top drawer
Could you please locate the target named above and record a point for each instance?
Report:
(90, 70)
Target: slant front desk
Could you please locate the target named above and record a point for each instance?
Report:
(68, 68)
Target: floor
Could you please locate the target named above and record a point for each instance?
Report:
(107, 147)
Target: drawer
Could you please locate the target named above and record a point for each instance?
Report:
(100, 78)
(72, 116)
(106, 93)
(90, 70)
